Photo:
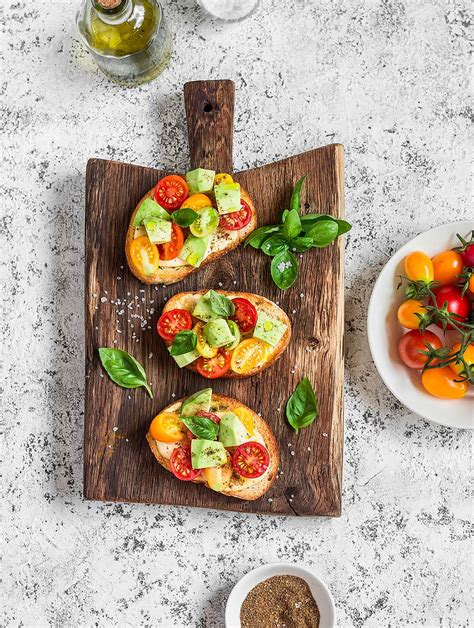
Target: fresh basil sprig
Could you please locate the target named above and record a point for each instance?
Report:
(184, 342)
(302, 406)
(184, 217)
(123, 369)
(295, 234)
(200, 426)
(220, 304)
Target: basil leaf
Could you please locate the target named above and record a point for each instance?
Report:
(123, 369)
(302, 406)
(343, 226)
(310, 219)
(183, 342)
(292, 225)
(300, 245)
(284, 269)
(257, 237)
(284, 214)
(221, 305)
(323, 232)
(273, 245)
(184, 217)
(200, 426)
(295, 201)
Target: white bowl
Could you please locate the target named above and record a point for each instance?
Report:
(384, 331)
(319, 591)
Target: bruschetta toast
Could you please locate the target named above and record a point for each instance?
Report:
(224, 334)
(218, 442)
(182, 225)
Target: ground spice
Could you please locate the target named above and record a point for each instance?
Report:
(280, 602)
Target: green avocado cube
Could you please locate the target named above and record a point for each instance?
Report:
(202, 309)
(268, 329)
(232, 431)
(185, 358)
(207, 453)
(217, 333)
(227, 197)
(194, 250)
(199, 401)
(200, 180)
(158, 230)
(147, 210)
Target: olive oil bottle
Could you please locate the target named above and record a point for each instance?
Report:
(129, 39)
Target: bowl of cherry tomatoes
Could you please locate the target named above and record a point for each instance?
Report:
(421, 325)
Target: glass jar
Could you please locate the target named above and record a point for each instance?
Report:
(129, 39)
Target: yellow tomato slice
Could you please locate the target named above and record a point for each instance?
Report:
(246, 417)
(203, 347)
(144, 255)
(197, 201)
(218, 478)
(167, 428)
(223, 177)
(248, 355)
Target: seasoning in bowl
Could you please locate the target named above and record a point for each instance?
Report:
(280, 601)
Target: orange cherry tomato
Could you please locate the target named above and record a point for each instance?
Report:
(171, 250)
(446, 267)
(248, 355)
(471, 284)
(444, 384)
(407, 313)
(468, 355)
(197, 201)
(167, 428)
(144, 256)
(419, 267)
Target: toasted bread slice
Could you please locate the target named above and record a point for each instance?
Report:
(242, 488)
(222, 243)
(187, 301)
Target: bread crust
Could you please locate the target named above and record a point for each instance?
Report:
(262, 304)
(168, 276)
(249, 490)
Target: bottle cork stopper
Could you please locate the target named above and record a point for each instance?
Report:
(109, 4)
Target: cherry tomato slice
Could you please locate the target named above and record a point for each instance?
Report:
(170, 323)
(144, 256)
(180, 463)
(167, 427)
(245, 314)
(215, 367)
(171, 191)
(411, 345)
(250, 460)
(458, 305)
(209, 415)
(171, 250)
(248, 355)
(236, 220)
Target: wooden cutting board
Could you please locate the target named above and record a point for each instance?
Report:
(118, 465)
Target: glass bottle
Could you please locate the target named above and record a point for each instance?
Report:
(129, 39)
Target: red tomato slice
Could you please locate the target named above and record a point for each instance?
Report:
(458, 305)
(172, 249)
(180, 463)
(215, 367)
(411, 345)
(250, 460)
(209, 415)
(170, 323)
(236, 220)
(245, 314)
(171, 191)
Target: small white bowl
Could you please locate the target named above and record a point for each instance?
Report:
(384, 332)
(319, 591)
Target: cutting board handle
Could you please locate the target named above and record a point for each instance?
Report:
(210, 118)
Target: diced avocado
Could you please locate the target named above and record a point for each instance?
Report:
(232, 431)
(217, 333)
(194, 250)
(199, 401)
(235, 331)
(268, 329)
(148, 209)
(202, 309)
(207, 453)
(185, 358)
(200, 180)
(227, 197)
(158, 230)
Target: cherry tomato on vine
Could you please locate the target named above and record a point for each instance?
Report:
(170, 192)
(412, 343)
(458, 305)
(419, 267)
(407, 313)
(468, 255)
(446, 267)
(170, 323)
(443, 383)
(468, 355)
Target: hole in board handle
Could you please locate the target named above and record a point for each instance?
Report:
(208, 107)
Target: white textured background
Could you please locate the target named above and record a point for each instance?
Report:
(389, 79)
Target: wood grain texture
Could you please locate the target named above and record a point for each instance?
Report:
(118, 465)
